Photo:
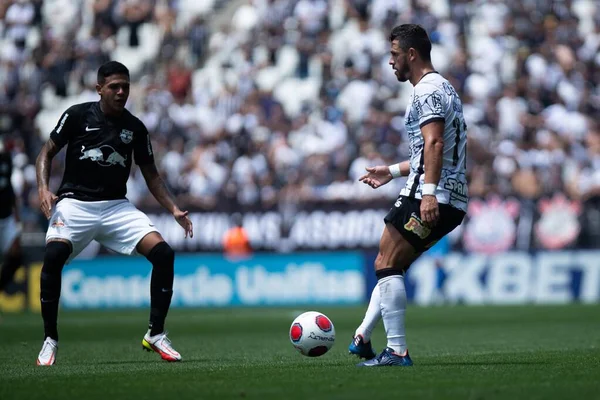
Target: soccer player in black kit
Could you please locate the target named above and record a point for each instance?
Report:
(102, 139)
(10, 230)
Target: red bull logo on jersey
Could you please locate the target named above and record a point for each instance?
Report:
(415, 225)
(98, 155)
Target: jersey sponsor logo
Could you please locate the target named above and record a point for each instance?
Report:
(88, 129)
(415, 225)
(92, 154)
(458, 189)
(126, 136)
(98, 154)
(62, 123)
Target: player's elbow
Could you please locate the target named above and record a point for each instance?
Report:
(41, 157)
(435, 144)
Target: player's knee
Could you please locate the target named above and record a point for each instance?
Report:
(162, 255)
(56, 255)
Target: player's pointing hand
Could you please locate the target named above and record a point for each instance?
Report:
(182, 219)
(376, 176)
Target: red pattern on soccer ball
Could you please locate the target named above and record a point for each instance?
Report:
(296, 332)
(323, 323)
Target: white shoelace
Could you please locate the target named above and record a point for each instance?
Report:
(165, 341)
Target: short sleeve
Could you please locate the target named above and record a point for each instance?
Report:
(67, 124)
(142, 147)
(429, 103)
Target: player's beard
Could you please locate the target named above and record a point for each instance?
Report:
(403, 74)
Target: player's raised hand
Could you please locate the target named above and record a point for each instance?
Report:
(376, 176)
(47, 200)
(182, 219)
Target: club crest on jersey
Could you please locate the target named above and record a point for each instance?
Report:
(126, 136)
(415, 225)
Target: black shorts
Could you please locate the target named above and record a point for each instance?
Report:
(405, 216)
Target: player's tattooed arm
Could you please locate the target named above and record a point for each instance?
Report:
(157, 187)
(42, 168)
(161, 193)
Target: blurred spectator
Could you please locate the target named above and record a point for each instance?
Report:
(282, 102)
(236, 244)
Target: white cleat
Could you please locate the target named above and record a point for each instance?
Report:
(162, 345)
(47, 355)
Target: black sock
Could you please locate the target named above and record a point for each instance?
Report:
(55, 257)
(162, 258)
(11, 265)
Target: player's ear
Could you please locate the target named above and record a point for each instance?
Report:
(412, 54)
(98, 88)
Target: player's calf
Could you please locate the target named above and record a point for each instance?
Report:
(55, 256)
(162, 258)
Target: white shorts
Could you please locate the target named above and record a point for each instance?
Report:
(116, 224)
(10, 229)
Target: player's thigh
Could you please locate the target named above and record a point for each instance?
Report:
(450, 218)
(394, 250)
(411, 232)
(74, 222)
(405, 217)
(123, 226)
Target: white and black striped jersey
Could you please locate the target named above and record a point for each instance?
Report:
(434, 99)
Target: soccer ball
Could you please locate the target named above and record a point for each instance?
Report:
(312, 334)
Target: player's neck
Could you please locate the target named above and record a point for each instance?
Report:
(420, 71)
(108, 112)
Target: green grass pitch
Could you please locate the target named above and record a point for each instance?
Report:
(459, 353)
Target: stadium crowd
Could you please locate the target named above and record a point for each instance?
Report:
(287, 101)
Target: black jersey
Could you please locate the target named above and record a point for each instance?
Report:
(99, 151)
(7, 195)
